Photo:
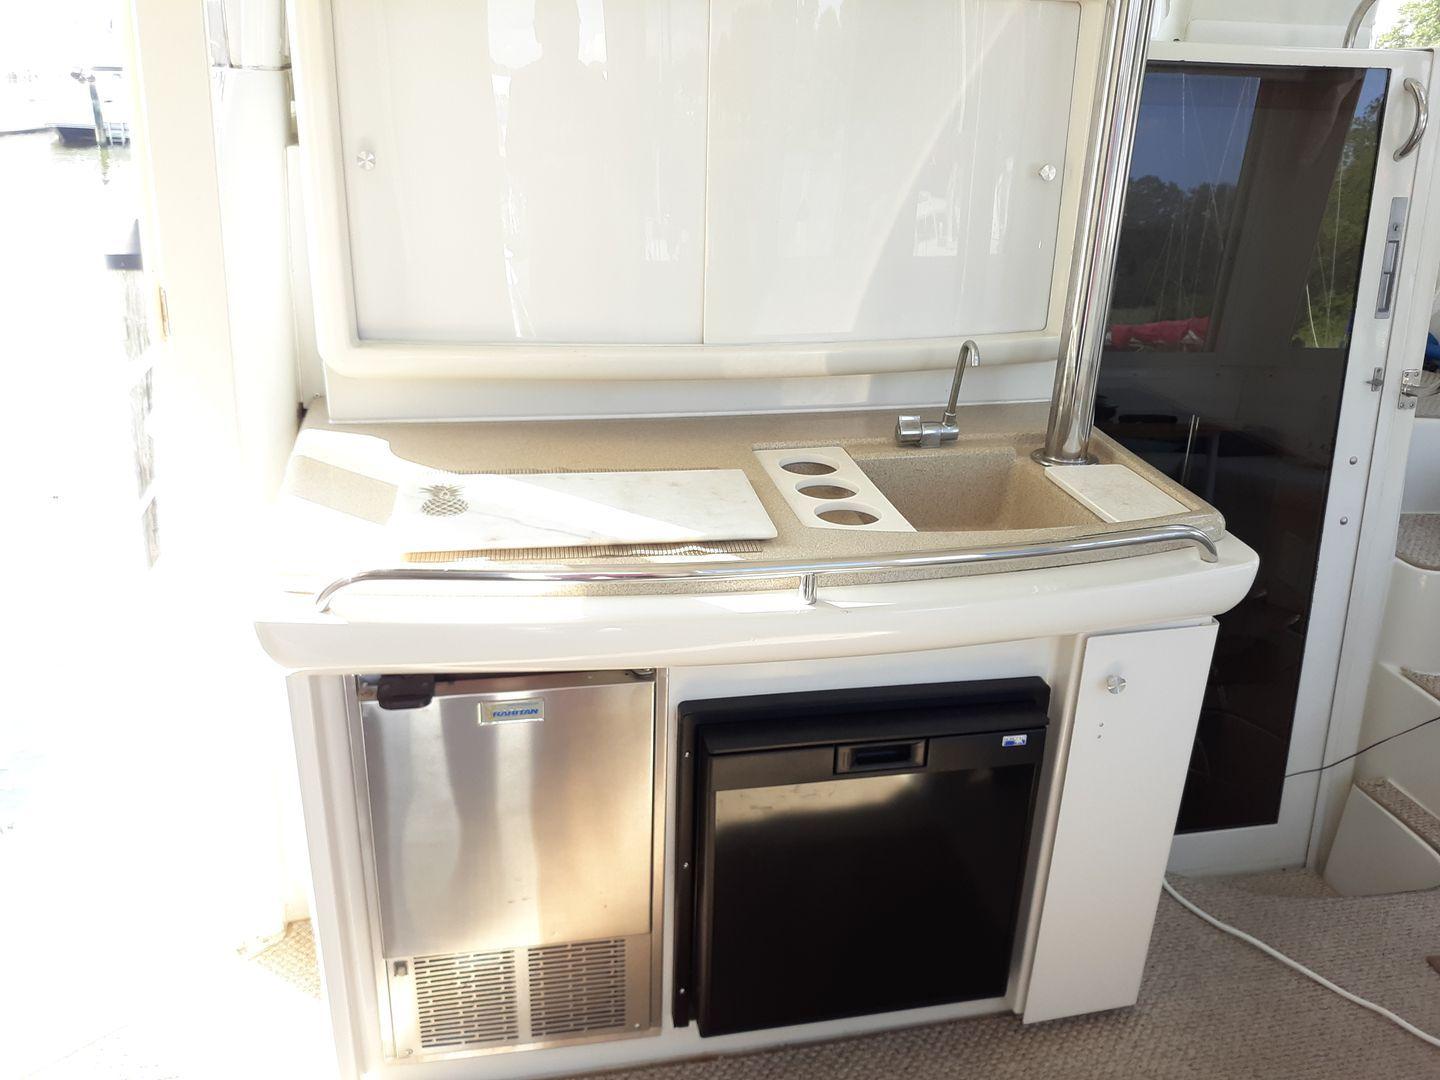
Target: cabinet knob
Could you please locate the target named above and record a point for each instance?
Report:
(1115, 684)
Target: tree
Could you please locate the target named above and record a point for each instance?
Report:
(1417, 25)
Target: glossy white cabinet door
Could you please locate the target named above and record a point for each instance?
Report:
(1124, 773)
(878, 167)
(524, 170)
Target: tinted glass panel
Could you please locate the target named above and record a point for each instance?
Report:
(1235, 293)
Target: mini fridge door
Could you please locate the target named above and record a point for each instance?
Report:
(848, 852)
(512, 812)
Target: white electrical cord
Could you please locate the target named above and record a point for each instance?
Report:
(1301, 968)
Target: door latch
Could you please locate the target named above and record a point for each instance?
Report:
(1390, 261)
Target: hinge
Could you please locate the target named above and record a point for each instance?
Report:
(1417, 383)
(1376, 380)
(163, 303)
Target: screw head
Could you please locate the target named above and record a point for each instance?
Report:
(365, 159)
(1048, 173)
(1354, 461)
(1115, 684)
(1344, 521)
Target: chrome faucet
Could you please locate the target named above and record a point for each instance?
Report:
(913, 431)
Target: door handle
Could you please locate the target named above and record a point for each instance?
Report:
(878, 757)
(1422, 118)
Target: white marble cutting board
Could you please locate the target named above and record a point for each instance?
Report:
(573, 509)
(1114, 493)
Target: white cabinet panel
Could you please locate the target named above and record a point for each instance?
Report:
(537, 168)
(1124, 775)
(876, 167)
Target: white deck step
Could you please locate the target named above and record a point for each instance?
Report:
(1401, 699)
(1429, 683)
(1376, 851)
(1415, 817)
(1418, 542)
(1411, 635)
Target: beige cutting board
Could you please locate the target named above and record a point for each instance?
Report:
(498, 511)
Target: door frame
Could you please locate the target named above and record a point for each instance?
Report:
(1370, 585)
(1344, 595)
(207, 465)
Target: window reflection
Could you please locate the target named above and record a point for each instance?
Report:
(1324, 319)
(1199, 152)
(1179, 211)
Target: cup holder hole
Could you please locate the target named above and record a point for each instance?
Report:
(808, 468)
(826, 491)
(847, 515)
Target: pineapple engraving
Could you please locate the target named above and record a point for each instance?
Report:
(445, 500)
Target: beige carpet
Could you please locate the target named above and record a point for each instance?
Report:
(1418, 541)
(1211, 1008)
(292, 959)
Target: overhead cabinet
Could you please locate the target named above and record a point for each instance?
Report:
(670, 172)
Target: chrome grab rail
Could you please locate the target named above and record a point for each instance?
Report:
(1352, 31)
(808, 572)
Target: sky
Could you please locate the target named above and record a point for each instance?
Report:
(46, 35)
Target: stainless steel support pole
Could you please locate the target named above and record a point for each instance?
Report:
(1125, 46)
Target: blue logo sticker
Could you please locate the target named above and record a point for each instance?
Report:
(1014, 740)
(522, 711)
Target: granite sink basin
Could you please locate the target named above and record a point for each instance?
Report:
(971, 487)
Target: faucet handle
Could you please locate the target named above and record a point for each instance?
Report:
(909, 430)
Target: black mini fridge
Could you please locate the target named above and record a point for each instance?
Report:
(850, 852)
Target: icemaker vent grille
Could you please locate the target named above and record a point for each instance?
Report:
(466, 998)
(577, 988)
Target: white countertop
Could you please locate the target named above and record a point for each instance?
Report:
(459, 626)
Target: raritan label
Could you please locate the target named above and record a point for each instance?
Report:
(522, 711)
